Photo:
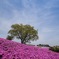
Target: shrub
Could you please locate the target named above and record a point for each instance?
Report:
(54, 48)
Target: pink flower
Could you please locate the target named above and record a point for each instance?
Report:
(14, 50)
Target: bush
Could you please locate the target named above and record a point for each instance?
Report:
(54, 48)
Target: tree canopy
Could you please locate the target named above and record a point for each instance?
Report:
(24, 32)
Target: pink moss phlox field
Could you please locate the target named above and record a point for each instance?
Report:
(13, 50)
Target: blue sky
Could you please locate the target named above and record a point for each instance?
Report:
(42, 14)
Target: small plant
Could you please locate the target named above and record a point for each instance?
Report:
(54, 48)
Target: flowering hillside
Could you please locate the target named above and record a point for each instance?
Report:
(13, 50)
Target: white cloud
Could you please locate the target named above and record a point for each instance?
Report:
(47, 30)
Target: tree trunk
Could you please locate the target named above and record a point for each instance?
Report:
(22, 41)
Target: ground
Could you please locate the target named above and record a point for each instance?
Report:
(14, 50)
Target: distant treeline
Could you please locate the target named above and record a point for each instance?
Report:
(40, 45)
(43, 45)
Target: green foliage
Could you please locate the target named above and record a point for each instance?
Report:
(43, 45)
(24, 32)
(54, 48)
(9, 37)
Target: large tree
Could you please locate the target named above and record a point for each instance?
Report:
(24, 32)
